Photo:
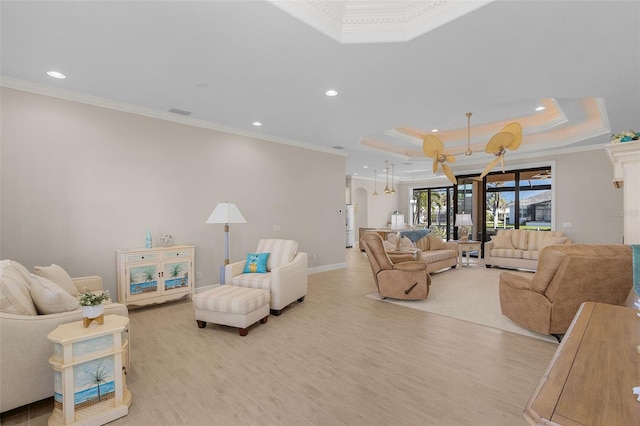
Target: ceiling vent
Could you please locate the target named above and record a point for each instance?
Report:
(179, 111)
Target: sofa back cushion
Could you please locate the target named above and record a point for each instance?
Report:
(436, 242)
(537, 239)
(14, 289)
(281, 252)
(58, 275)
(50, 298)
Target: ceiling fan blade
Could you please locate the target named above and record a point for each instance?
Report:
(490, 166)
(498, 141)
(432, 146)
(451, 159)
(516, 130)
(449, 173)
(435, 166)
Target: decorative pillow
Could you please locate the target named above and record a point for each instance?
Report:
(549, 241)
(50, 298)
(58, 275)
(256, 263)
(501, 242)
(14, 289)
(435, 242)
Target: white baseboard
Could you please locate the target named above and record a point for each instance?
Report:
(326, 268)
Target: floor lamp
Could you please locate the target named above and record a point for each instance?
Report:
(226, 213)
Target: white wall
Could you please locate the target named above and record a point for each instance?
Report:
(79, 182)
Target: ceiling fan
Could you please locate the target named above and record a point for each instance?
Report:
(434, 148)
(509, 138)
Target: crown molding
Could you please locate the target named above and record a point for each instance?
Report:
(68, 95)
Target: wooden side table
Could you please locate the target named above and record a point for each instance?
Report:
(89, 378)
(467, 246)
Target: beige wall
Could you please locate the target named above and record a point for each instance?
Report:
(81, 181)
(584, 197)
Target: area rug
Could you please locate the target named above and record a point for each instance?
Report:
(468, 293)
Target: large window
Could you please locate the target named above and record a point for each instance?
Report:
(433, 209)
(518, 200)
(515, 199)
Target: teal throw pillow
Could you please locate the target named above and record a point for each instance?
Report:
(256, 263)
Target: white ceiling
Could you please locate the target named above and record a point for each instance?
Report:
(231, 63)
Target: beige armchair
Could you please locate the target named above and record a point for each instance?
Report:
(567, 276)
(405, 280)
(285, 277)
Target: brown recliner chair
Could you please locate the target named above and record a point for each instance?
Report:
(567, 276)
(405, 280)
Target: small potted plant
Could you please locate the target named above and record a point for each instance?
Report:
(92, 303)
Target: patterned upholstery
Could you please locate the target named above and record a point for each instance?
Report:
(281, 251)
(286, 276)
(14, 289)
(527, 245)
(231, 299)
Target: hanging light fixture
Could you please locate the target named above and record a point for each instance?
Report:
(468, 152)
(393, 186)
(387, 191)
(375, 183)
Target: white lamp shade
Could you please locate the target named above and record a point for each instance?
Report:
(463, 220)
(226, 213)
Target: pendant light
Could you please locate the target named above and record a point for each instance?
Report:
(387, 191)
(375, 183)
(393, 186)
(468, 152)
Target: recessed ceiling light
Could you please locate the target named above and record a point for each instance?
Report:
(257, 123)
(331, 92)
(365, 167)
(355, 174)
(56, 74)
(434, 130)
(540, 108)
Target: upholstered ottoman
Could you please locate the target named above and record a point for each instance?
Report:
(233, 306)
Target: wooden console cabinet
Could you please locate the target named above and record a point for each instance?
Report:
(591, 377)
(155, 275)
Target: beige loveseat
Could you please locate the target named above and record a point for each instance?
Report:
(519, 248)
(27, 305)
(432, 250)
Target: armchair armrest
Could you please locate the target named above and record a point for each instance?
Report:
(289, 282)
(91, 283)
(410, 266)
(515, 281)
(233, 270)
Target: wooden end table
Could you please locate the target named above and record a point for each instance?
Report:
(467, 246)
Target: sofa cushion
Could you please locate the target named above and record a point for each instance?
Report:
(14, 289)
(436, 242)
(50, 298)
(405, 242)
(281, 252)
(512, 253)
(262, 281)
(58, 275)
(501, 242)
(423, 243)
(519, 239)
(433, 256)
(549, 241)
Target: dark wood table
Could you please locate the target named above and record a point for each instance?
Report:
(591, 377)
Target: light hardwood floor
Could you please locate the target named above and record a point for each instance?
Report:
(338, 358)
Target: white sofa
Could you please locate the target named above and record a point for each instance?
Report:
(25, 373)
(285, 276)
(432, 250)
(519, 248)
